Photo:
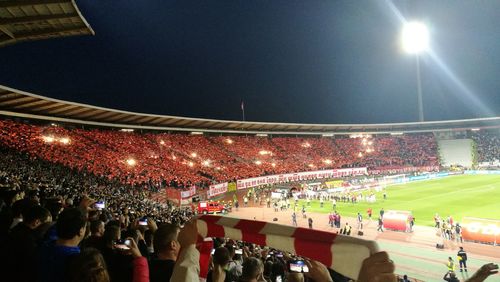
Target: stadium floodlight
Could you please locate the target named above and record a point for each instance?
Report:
(48, 139)
(64, 140)
(131, 162)
(415, 37)
(415, 40)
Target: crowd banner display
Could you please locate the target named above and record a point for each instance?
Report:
(217, 189)
(344, 254)
(481, 230)
(396, 220)
(188, 193)
(174, 195)
(405, 169)
(300, 176)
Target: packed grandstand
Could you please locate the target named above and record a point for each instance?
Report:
(90, 194)
(61, 165)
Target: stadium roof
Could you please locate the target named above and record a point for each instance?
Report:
(26, 105)
(27, 20)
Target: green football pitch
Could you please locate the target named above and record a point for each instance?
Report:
(458, 196)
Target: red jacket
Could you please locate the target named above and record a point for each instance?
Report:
(141, 270)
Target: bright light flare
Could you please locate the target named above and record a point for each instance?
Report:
(131, 162)
(64, 140)
(48, 139)
(415, 37)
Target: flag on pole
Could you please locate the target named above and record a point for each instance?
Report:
(344, 254)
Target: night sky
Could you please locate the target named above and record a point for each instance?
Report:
(290, 61)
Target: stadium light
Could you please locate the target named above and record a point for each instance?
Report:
(415, 40)
(64, 140)
(48, 139)
(131, 162)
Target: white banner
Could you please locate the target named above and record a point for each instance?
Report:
(300, 176)
(188, 193)
(217, 189)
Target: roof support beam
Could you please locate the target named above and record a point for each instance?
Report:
(19, 3)
(104, 115)
(24, 35)
(33, 19)
(62, 109)
(17, 101)
(7, 31)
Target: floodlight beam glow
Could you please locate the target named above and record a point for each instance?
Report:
(415, 37)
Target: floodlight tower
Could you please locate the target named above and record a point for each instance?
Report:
(415, 40)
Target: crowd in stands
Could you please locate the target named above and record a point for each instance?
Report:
(181, 160)
(53, 229)
(488, 145)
